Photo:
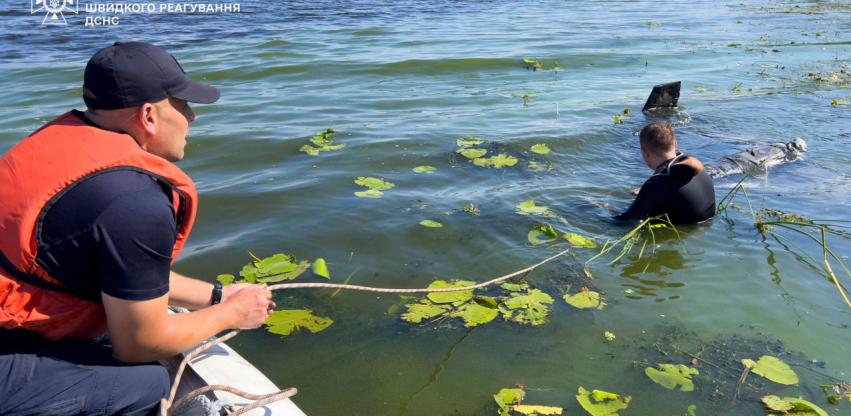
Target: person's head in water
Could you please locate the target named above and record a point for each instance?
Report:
(658, 143)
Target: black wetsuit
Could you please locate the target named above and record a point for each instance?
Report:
(675, 190)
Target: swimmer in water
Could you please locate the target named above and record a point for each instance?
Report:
(679, 187)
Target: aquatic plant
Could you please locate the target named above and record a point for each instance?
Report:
(773, 222)
(374, 186)
(509, 399)
(321, 142)
(670, 376)
(517, 303)
(285, 322)
(540, 149)
(424, 169)
(431, 224)
(601, 403)
(642, 233)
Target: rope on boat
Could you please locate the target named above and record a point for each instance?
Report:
(167, 406)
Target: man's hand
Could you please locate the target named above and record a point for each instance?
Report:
(250, 304)
(144, 331)
(635, 191)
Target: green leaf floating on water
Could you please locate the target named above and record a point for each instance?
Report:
(469, 142)
(585, 299)
(423, 310)
(225, 279)
(540, 149)
(791, 406)
(773, 369)
(450, 297)
(601, 403)
(528, 207)
(692, 410)
(542, 234)
(323, 138)
(274, 268)
(320, 268)
(369, 193)
(322, 142)
(375, 184)
(670, 376)
(424, 169)
(474, 314)
(514, 287)
(499, 161)
(508, 397)
(528, 308)
(577, 240)
(285, 322)
(310, 150)
(431, 224)
(472, 153)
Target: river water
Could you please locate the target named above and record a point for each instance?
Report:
(399, 83)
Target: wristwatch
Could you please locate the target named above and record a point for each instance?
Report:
(216, 297)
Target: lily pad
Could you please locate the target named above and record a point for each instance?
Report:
(528, 207)
(301, 267)
(514, 287)
(285, 322)
(424, 169)
(773, 369)
(540, 149)
(528, 308)
(472, 153)
(423, 310)
(692, 410)
(320, 268)
(322, 142)
(310, 150)
(469, 142)
(585, 299)
(225, 279)
(508, 397)
(274, 268)
(474, 314)
(450, 297)
(601, 403)
(577, 240)
(542, 234)
(374, 183)
(499, 161)
(527, 409)
(670, 376)
(791, 406)
(431, 224)
(369, 193)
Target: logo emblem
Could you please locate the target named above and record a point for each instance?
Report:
(53, 10)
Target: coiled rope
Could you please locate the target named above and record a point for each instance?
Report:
(167, 406)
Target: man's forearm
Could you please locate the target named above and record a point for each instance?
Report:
(187, 292)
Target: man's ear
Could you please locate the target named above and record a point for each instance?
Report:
(148, 119)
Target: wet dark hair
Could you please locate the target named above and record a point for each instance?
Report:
(658, 137)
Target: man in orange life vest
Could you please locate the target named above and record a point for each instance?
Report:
(92, 214)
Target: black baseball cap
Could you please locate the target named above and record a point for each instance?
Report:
(127, 74)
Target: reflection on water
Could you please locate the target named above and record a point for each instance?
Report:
(661, 264)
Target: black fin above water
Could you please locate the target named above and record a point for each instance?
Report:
(663, 96)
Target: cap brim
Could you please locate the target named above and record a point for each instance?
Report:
(196, 92)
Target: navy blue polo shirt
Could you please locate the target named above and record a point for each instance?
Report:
(112, 232)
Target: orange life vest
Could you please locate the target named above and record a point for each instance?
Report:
(33, 174)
